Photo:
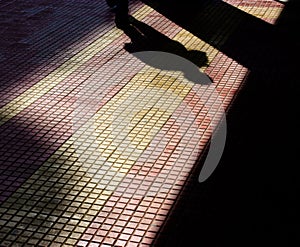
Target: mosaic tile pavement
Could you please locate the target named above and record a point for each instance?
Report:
(96, 145)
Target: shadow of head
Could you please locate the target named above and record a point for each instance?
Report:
(167, 54)
(172, 62)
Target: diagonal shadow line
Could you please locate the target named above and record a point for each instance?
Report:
(34, 34)
(251, 64)
(212, 21)
(237, 199)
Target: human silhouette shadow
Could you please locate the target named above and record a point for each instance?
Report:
(145, 38)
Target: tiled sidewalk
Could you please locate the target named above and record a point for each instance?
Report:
(96, 144)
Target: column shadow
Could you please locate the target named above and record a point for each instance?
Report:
(251, 195)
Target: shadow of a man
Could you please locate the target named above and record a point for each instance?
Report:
(146, 38)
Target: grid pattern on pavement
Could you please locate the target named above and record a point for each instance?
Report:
(95, 144)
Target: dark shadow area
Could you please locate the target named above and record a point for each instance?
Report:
(38, 185)
(21, 154)
(45, 196)
(251, 198)
(248, 40)
(34, 34)
(145, 38)
(28, 141)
